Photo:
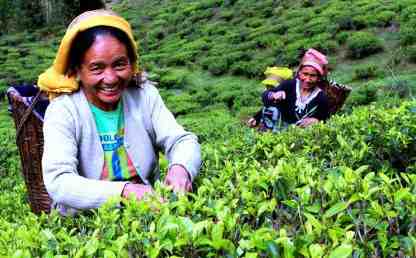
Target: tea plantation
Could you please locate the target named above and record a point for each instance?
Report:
(344, 188)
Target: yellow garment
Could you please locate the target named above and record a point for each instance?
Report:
(276, 75)
(55, 79)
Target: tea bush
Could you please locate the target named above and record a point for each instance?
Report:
(172, 78)
(338, 189)
(400, 88)
(366, 71)
(364, 95)
(181, 104)
(342, 37)
(362, 44)
(407, 34)
(8, 149)
(207, 122)
(250, 69)
(411, 52)
(384, 18)
(262, 26)
(216, 65)
(341, 187)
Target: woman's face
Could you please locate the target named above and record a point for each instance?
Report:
(105, 71)
(308, 77)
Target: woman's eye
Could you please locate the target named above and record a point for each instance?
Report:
(120, 65)
(96, 69)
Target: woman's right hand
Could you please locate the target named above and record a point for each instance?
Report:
(139, 190)
(278, 95)
(251, 122)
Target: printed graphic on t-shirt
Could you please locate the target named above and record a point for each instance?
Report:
(117, 165)
(110, 126)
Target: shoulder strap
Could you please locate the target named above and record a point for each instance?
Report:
(27, 114)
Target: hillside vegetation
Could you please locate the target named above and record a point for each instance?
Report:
(346, 188)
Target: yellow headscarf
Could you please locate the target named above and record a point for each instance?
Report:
(55, 79)
(275, 75)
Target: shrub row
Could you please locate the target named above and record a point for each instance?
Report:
(263, 28)
(345, 188)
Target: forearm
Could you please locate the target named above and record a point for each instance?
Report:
(268, 97)
(267, 101)
(186, 152)
(257, 116)
(76, 191)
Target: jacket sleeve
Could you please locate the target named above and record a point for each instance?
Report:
(60, 164)
(180, 147)
(266, 94)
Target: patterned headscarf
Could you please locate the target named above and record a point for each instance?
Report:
(315, 59)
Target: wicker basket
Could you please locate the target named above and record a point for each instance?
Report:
(29, 139)
(336, 93)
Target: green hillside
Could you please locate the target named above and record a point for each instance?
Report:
(346, 188)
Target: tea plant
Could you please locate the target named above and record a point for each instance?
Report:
(362, 44)
(342, 188)
(345, 187)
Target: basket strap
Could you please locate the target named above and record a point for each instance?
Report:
(27, 113)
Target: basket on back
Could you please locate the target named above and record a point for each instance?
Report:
(336, 93)
(29, 139)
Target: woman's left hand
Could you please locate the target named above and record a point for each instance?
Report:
(178, 178)
(307, 122)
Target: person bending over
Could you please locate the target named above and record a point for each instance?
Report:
(105, 125)
(299, 101)
(275, 76)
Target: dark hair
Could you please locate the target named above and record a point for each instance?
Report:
(84, 40)
(90, 5)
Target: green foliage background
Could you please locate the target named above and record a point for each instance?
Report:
(340, 189)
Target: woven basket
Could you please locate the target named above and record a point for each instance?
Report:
(29, 139)
(336, 93)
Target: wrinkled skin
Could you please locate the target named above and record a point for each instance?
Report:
(105, 72)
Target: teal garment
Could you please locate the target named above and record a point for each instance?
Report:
(108, 123)
(110, 127)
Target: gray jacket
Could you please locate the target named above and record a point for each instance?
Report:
(73, 157)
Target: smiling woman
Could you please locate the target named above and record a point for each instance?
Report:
(105, 123)
(105, 68)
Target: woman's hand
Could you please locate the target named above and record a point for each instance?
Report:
(178, 178)
(251, 122)
(307, 122)
(139, 190)
(279, 95)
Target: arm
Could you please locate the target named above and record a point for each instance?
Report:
(181, 148)
(257, 116)
(269, 97)
(60, 164)
(254, 120)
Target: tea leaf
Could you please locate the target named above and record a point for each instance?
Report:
(342, 251)
(335, 209)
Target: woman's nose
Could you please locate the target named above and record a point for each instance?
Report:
(110, 76)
